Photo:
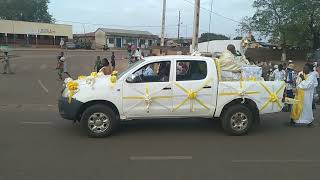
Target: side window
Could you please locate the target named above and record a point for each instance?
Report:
(153, 72)
(191, 70)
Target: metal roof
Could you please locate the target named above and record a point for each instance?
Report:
(124, 32)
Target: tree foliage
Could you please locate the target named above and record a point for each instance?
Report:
(286, 22)
(238, 38)
(212, 36)
(25, 10)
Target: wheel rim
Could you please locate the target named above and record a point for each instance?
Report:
(98, 122)
(239, 121)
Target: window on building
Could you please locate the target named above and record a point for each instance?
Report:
(150, 43)
(111, 40)
(142, 41)
(191, 70)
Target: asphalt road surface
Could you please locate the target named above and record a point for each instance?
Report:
(35, 143)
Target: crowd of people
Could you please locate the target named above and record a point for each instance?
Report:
(287, 72)
(134, 54)
(100, 65)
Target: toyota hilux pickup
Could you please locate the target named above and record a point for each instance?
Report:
(168, 87)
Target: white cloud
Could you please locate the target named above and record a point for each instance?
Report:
(148, 13)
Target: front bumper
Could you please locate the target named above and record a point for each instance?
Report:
(68, 110)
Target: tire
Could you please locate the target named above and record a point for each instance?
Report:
(99, 121)
(237, 120)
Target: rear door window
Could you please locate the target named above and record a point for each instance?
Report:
(191, 70)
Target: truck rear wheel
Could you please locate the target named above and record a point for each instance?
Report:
(99, 121)
(237, 120)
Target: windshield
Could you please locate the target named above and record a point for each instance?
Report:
(132, 67)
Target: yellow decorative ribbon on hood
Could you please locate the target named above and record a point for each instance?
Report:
(72, 87)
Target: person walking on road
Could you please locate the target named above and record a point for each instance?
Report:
(6, 67)
(61, 43)
(98, 64)
(106, 70)
(302, 111)
(113, 61)
(62, 66)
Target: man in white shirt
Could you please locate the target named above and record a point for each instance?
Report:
(302, 111)
(6, 67)
(149, 71)
(278, 74)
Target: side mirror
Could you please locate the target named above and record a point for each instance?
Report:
(130, 79)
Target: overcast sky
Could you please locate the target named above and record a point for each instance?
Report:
(141, 14)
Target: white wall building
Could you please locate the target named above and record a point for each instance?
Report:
(218, 46)
(119, 38)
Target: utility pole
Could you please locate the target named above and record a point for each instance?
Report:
(163, 21)
(195, 26)
(179, 24)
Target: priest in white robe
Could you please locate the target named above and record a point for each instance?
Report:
(230, 64)
(302, 111)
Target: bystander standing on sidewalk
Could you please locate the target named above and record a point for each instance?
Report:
(290, 83)
(98, 64)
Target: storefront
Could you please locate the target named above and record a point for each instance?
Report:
(29, 34)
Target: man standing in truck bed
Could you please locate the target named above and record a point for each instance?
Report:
(230, 64)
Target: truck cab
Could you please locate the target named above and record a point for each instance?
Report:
(162, 87)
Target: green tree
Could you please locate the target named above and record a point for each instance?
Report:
(307, 16)
(271, 19)
(25, 10)
(238, 38)
(286, 22)
(212, 36)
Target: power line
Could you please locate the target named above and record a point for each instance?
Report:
(114, 25)
(213, 12)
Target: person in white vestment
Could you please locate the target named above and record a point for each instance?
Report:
(279, 74)
(302, 111)
(231, 63)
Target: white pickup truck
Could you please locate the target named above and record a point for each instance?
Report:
(168, 87)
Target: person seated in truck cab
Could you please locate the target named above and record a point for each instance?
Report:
(148, 73)
(198, 71)
(164, 72)
(149, 70)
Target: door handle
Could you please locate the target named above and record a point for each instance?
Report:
(167, 88)
(207, 87)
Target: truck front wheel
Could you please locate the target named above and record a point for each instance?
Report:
(99, 121)
(237, 120)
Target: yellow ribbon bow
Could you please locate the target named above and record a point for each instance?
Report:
(114, 77)
(72, 88)
(147, 98)
(191, 96)
(82, 77)
(273, 96)
(94, 74)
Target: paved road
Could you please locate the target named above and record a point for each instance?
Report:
(35, 143)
